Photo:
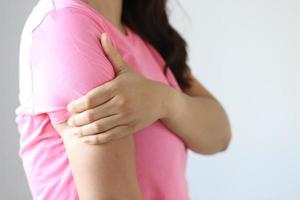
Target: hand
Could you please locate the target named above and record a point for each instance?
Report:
(119, 107)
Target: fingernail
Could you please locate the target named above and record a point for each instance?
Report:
(104, 36)
(70, 122)
(108, 39)
(69, 107)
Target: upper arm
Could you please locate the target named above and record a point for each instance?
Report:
(67, 61)
(101, 171)
(197, 89)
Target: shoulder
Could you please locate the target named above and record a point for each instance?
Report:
(68, 21)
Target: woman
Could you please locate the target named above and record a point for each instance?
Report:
(108, 105)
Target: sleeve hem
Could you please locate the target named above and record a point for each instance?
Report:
(59, 117)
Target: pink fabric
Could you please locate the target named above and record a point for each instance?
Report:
(61, 59)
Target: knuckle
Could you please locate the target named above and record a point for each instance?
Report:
(101, 139)
(81, 132)
(115, 85)
(123, 116)
(89, 116)
(71, 121)
(111, 87)
(77, 131)
(98, 127)
(114, 88)
(122, 102)
(131, 127)
(128, 112)
(93, 140)
(87, 101)
(107, 138)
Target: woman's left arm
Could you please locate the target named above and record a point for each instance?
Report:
(134, 102)
(197, 117)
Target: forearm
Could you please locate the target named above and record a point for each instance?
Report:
(200, 122)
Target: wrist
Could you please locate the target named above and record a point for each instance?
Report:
(169, 101)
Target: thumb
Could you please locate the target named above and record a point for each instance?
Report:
(112, 54)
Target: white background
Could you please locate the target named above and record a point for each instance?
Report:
(246, 53)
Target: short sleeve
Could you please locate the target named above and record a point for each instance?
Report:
(67, 60)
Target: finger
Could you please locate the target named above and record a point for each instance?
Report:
(108, 136)
(88, 116)
(112, 54)
(92, 98)
(99, 126)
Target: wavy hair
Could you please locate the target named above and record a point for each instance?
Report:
(149, 19)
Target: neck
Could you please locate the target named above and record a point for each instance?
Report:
(110, 9)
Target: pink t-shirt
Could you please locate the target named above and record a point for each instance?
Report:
(61, 59)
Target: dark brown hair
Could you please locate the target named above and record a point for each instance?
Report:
(149, 19)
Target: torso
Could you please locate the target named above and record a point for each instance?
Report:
(160, 155)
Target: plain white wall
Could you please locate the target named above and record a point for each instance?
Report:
(247, 52)
(13, 185)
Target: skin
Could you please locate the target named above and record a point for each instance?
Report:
(102, 172)
(98, 135)
(112, 111)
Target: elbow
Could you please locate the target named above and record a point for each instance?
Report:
(226, 141)
(220, 144)
(226, 137)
